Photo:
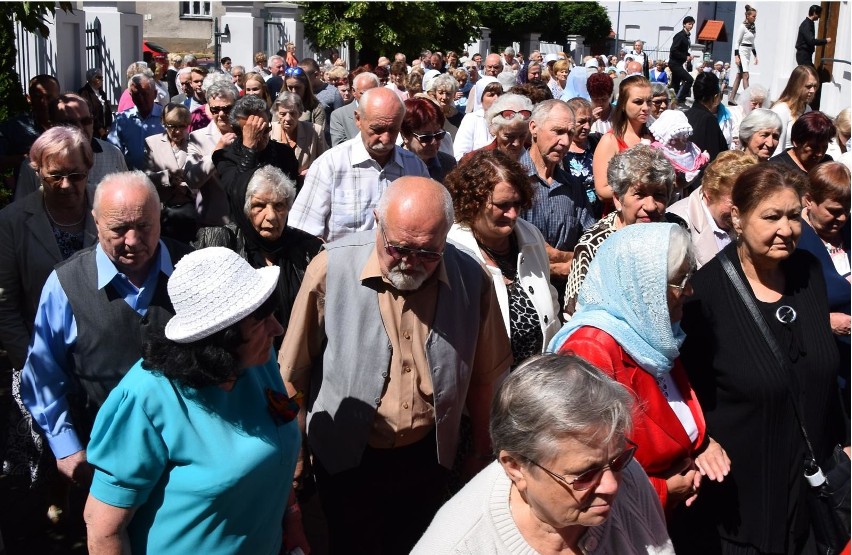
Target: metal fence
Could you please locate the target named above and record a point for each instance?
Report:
(33, 56)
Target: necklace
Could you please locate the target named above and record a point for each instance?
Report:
(52, 219)
(506, 259)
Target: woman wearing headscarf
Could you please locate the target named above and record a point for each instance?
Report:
(576, 86)
(628, 325)
(473, 132)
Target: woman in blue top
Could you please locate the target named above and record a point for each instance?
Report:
(195, 449)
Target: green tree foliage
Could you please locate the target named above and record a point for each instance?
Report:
(510, 21)
(383, 28)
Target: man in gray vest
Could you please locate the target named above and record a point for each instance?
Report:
(394, 332)
(95, 311)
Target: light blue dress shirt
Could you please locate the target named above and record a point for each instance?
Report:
(129, 131)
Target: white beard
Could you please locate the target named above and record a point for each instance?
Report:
(404, 281)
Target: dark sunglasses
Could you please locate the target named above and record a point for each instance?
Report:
(398, 252)
(592, 477)
(509, 114)
(56, 178)
(660, 102)
(291, 71)
(426, 138)
(221, 109)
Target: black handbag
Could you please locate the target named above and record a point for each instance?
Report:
(828, 494)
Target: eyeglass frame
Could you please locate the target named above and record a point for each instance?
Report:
(53, 179)
(421, 137)
(597, 473)
(684, 282)
(294, 71)
(217, 109)
(525, 114)
(398, 252)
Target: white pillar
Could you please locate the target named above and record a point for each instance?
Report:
(121, 32)
(246, 26)
(576, 48)
(289, 16)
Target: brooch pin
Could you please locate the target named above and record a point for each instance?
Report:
(282, 408)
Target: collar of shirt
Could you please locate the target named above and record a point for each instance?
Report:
(138, 298)
(717, 231)
(372, 270)
(156, 113)
(361, 157)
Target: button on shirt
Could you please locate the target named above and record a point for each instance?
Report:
(46, 380)
(344, 185)
(560, 210)
(129, 132)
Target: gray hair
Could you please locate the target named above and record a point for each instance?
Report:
(753, 91)
(508, 101)
(542, 110)
(273, 58)
(639, 164)
(92, 72)
(185, 70)
(272, 180)
(290, 101)
(445, 81)
(659, 89)
(219, 85)
(138, 67)
(759, 118)
(139, 79)
(135, 178)
(189, 58)
(447, 201)
(241, 68)
(680, 250)
(550, 398)
(246, 106)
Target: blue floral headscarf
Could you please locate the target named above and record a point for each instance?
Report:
(624, 294)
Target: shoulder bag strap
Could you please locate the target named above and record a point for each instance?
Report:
(768, 336)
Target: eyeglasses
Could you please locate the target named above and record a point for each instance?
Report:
(660, 102)
(426, 138)
(291, 71)
(509, 114)
(682, 285)
(175, 126)
(56, 178)
(398, 252)
(221, 109)
(591, 477)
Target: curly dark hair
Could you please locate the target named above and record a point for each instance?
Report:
(537, 92)
(472, 182)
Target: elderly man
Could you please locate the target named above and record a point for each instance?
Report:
(95, 311)
(275, 81)
(133, 125)
(510, 64)
(493, 65)
(413, 335)
(71, 109)
(183, 81)
(342, 124)
(343, 185)
(638, 53)
(560, 208)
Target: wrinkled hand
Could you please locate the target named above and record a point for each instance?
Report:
(596, 112)
(840, 323)
(225, 140)
(255, 129)
(76, 469)
(713, 462)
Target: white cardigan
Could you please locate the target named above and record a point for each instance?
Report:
(533, 273)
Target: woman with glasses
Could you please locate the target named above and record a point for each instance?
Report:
(794, 101)
(660, 101)
(297, 82)
(564, 480)
(489, 191)
(37, 232)
(508, 121)
(628, 325)
(305, 138)
(751, 392)
(422, 132)
(166, 158)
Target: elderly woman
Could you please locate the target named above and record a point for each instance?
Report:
(260, 234)
(558, 78)
(489, 191)
(660, 101)
(422, 132)
(296, 81)
(443, 89)
(256, 86)
(707, 210)
(759, 133)
(36, 233)
(839, 145)
(473, 132)
(166, 157)
(163, 445)
(581, 152)
(508, 121)
(748, 389)
(212, 203)
(564, 480)
(658, 73)
(707, 132)
(748, 100)
(810, 136)
(136, 68)
(93, 92)
(642, 180)
(794, 101)
(213, 83)
(628, 325)
(305, 138)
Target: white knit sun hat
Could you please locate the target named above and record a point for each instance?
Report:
(213, 288)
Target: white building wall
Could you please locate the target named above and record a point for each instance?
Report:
(653, 22)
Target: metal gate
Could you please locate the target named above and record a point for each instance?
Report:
(94, 46)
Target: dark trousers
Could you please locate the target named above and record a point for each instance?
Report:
(681, 82)
(384, 505)
(804, 58)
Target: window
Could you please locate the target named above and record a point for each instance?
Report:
(195, 9)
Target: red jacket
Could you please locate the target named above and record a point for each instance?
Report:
(656, 429)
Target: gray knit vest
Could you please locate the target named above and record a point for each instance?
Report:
(346, 387)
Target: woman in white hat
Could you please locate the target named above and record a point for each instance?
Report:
(194, 448)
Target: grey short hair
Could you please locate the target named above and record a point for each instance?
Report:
(186, 70)
(447, 200)
(680, 250)
(445, 81)
(542, 110)
(219, 85)
(757, 119)
(92, 72)
(508, 101)
(659, 89)
(273, 180)
(753, 91)
(273, 58)
(246, 106)
(550, 398)
(289, 100)
(135, 178)
(189, 58)
(138, 67)
(139, 79)
(639, 164)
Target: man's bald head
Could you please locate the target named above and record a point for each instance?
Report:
(364, 82)
(633, 67)
(379, 118)
(493, 64)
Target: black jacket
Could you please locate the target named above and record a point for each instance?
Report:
(706, 132)
(680, 48)
(807, 42)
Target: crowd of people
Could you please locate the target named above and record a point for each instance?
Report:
(287, 306)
